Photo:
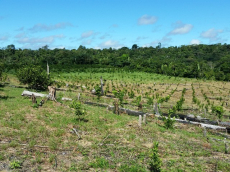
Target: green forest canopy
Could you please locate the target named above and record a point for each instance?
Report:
(193, 61)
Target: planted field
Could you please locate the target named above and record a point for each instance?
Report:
(52, 138)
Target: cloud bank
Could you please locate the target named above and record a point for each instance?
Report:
(181, 28)
(43, 27)
(211, 34)
(146, 20)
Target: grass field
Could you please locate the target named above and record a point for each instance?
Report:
(42, 139)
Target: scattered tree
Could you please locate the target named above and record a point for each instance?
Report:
(34, 76)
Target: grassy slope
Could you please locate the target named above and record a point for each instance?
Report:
(109, 142)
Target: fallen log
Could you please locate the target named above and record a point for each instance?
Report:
(96, 104)
(66, 99)
(210, 126)
(29, 93)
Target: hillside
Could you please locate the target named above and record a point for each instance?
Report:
(43, 138)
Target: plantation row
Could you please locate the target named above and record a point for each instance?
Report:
(174, 95)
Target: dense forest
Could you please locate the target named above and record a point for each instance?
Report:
(192, 61)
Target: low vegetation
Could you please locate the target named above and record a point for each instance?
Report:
(45, 138)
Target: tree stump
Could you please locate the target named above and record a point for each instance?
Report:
(116, 107)
(102, 84)
(52, 93)
(33, 98)
(140, 106)
(140, 120)
(226, 148)
(204, 132)
(144, 119)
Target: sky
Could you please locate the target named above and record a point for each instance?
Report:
(99, 24)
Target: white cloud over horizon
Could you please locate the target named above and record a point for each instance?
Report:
(46, 40)
(110, 43)
(181, 28)
(195, 42)
(4, 38)
(43, 27)
(164, 41)
(211, 34)
(87, 34)
(87, 42)
(146, 20)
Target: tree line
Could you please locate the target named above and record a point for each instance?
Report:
(192, 61)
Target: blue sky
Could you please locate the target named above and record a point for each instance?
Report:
(113, 23)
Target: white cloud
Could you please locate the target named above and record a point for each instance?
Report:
(43, 27)
(114, 26)
(146, 19)
(87, 42)
(20, 29)
(104, 36)
(20, 35)
(141, 38)
(110, 43)
(164, 42)
(45, 40)
(57, 46)
(4, 38)
(195, 41)
(181, 28)
(211, 34)
(87, 34)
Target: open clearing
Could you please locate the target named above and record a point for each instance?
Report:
(42, 139)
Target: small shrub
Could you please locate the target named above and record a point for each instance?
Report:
(138, 101)
(79, 111)
(132, 168)
(168, 122)
(99, 163)
(2, 156)
(52, 158)
(155, 162)
(120, 95)
(150, 100)
(34, 76)
(218, 110)
(15, 164)
(35, 105)
(98, 91)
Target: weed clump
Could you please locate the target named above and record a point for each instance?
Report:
(155, 161)
(169, 122)
(79, 111)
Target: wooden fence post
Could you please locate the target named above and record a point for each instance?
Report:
(204, 132)
(140, 120)
(144, 119)
(102, 91)
(226, 147)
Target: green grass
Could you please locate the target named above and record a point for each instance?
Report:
(41, 138)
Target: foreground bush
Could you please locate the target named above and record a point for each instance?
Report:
(34, 76)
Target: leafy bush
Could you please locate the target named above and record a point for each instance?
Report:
(34, 76)
(168, 122)
(155, 162)
(79, 111)
(218, 110)
(150, 100)
(98, 91)
(3, 76)
(1, 69)
(120, 95)
(131, 94)
(132, 168)
(15, 164)
(137, 101)
(99, 163)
